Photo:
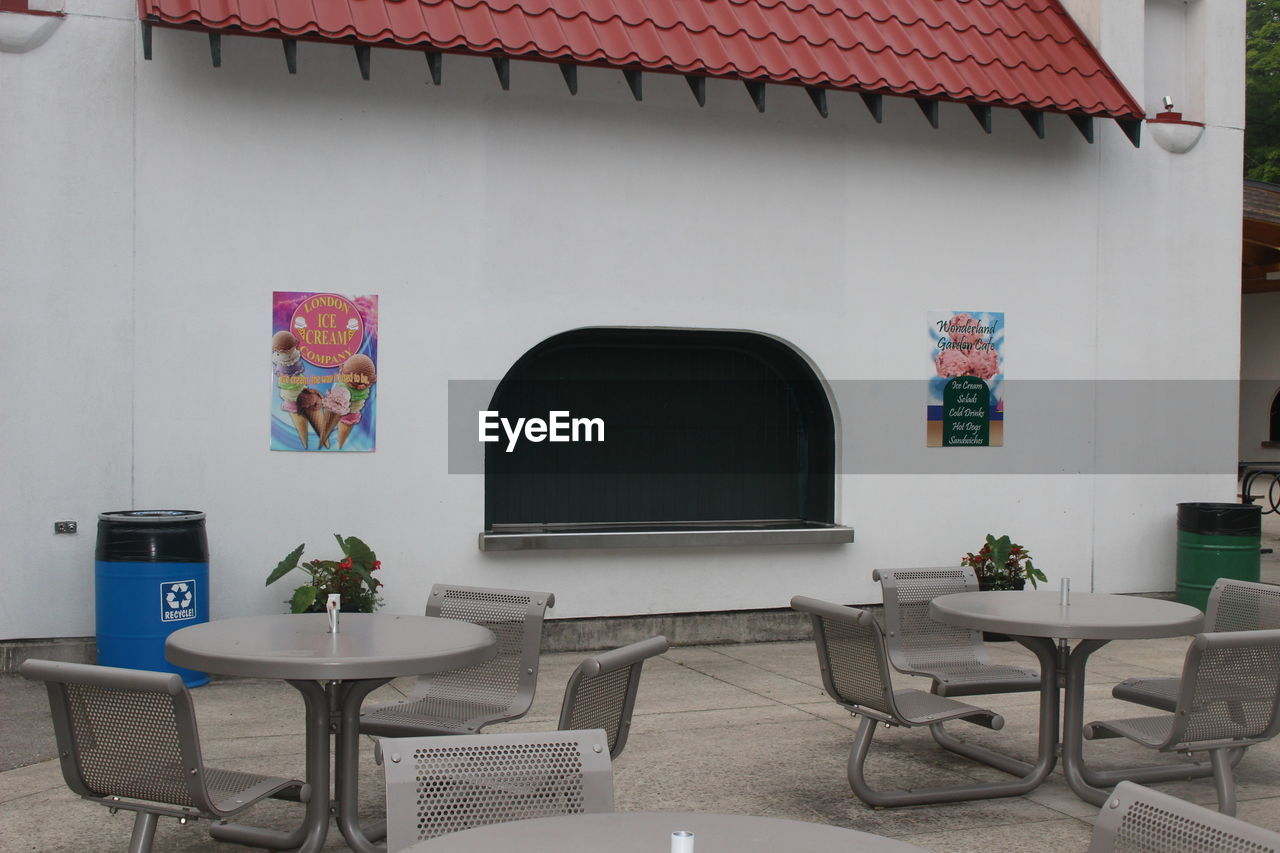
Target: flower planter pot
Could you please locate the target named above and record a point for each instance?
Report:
(996, 636)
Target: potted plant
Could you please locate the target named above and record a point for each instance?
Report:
(351, 577)
(1003, 564)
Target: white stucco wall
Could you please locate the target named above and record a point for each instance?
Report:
(159, 204)
(67, 284)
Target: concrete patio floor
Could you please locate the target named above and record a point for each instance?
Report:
(728, 728)
(743, 728)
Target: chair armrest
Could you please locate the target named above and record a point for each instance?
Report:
(624, 656)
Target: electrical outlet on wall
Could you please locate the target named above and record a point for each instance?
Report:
(64, 527)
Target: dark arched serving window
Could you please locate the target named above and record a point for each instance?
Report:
(1274, 434)
(692, 434)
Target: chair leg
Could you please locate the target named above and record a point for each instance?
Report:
(144, 832)
(924, 796)
(951, 743)
(1224, 780)
(857, 756)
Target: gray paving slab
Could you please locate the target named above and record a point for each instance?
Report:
(26, 732)
(726, 728)
(1059, 834)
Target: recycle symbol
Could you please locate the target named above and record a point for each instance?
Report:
(172, 598)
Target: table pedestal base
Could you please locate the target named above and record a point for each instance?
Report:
(1063, 669)
(330, 707)
(347, 768)
(1092, 786)
(1047, 755)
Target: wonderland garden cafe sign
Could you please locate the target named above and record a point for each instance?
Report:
(966, 402)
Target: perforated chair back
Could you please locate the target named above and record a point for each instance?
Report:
(916, 640)
(601, 693)
(123, 732)
(1233, 605)
(437, 785)
(1230, 689)
(1136, 819)
(851, 657)
(463, 701)
(955, 658)
(127, 739)
(515, 616)
(1228, 698)
(1236, 605)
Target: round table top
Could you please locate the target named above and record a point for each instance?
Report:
(1089, 616)
(650, 832)
(299, 646)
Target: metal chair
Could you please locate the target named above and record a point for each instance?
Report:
(601, 693)
(1234, 605)
(463, 701)
(855, 673)
(1229, 697)
(1139, 820)
(955, 658)
(127, 739)
(437, 785)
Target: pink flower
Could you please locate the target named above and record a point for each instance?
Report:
(984, 362)
(952, 362)
(961, 335)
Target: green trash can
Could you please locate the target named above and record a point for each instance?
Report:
(1216, 541)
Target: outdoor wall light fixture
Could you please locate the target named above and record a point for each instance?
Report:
(1172, 132)
(22, 31)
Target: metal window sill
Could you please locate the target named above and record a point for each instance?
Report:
(549, 537)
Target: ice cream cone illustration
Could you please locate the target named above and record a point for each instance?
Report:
(344, 430)
(286, 365)
(313, 413)
(346, 399)
(337, 403)
(301, 425)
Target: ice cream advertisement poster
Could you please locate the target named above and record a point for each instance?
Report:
(324, 372)
(966, 374)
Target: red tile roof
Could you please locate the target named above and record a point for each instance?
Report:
(1027, 54)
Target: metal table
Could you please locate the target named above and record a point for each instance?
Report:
(1039, 621)
(650, 832)
(333, 672)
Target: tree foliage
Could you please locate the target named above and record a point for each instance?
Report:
(1262, 90)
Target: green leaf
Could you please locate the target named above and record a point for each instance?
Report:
(1262, 106)
(303, 598)
(1034, 574)
(365, 576)
(999, 549)
(342, 544)
(286, 565)
(360, 553)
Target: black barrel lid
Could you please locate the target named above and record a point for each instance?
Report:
(1219, 519)
(151, 516)
(152, 536)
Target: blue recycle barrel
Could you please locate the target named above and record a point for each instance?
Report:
(151, 577)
